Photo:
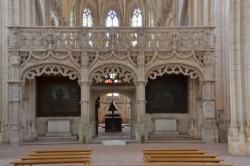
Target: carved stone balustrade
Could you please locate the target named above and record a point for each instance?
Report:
(102, 38)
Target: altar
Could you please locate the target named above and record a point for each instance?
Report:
(113, 122)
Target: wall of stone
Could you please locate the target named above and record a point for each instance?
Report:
(182, 121)
(1, 57)
(42, 126)
(239, 37)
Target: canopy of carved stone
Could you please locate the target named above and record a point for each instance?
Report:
(125, 75)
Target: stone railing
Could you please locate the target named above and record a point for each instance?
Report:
(102, 38)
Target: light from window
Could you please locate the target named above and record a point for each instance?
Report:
(136, 20)
(112, 19)
(71, 19)
(87, 20)
(111, 78)
(113, 94)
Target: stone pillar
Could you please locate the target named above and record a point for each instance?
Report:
(85, 128)
(14, 99)
(209, 129)
(133, 116)
(239, 129)
(192, 107)
(141, 113)
(142, 134)
(84, 133)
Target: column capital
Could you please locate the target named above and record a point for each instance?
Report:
(144, 82)
(84, 82)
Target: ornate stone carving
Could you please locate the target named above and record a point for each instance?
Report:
(174, 69)
(123, 74)
(63, 38)
(49, 69)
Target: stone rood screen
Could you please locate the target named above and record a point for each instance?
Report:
(120, 38)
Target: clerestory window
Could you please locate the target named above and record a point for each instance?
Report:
(87, 20)
(136, 21)
(112, 19)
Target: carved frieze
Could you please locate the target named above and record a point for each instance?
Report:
(50, 69)
(174, 69)
(124, 75)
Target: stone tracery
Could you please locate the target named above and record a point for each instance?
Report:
(124, 75)
(174, 69)
(49, 69)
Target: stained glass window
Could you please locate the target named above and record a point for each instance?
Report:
(110, 79)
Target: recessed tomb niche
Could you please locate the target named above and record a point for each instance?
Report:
(57, 97)
(167, 94)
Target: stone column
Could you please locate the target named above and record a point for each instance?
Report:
(142, 134)
(141, 113)
(238, 137)
(192, 106)
(14, 99)
(209, 129)
(84, 133)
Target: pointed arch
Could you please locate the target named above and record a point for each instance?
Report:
(174, 68)
(49, 69)
(136, 17)
(123, 74)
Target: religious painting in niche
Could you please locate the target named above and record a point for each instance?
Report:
(57, 97)
(167, 94)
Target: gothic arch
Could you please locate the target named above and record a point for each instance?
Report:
(112, 6)
(49, 69)
(125, 74)
(92, 6)
(175, 68)
(131, 6)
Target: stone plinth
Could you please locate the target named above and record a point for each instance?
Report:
(167, 126)
(58, 128)
(114, 142)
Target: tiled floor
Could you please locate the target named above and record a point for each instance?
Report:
(128, 155)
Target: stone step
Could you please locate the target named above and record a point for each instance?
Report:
(100, 141)
(50, 143)
(54, 138)
(114, 142)
(159, 138)
(45, 140)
